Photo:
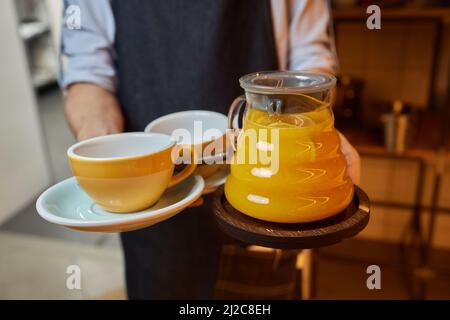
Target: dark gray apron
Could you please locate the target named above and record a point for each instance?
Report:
(176, 55)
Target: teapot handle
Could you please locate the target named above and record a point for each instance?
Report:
(233, 113)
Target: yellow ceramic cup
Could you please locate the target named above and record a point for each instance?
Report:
(127, 172)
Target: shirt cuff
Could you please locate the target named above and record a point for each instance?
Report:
(93, 68)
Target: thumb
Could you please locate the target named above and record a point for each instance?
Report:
(352, 158)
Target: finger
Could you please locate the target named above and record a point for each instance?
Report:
(352, 158)
(197, 202)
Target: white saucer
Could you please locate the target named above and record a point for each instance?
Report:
(217, 179)
(68, 205)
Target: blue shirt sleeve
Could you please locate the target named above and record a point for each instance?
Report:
(87, 44)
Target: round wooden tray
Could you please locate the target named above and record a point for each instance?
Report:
(321, 233)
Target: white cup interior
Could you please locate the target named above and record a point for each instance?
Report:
(200, 126)
(121, 145)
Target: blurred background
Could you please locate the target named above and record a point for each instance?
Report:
(393, 104)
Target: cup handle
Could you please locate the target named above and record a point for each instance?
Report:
(188, 170)
(233, 113)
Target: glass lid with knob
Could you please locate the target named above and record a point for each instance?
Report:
(280, 92)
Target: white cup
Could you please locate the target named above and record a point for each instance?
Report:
(203, 130)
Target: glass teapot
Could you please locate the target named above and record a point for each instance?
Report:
(287, 166)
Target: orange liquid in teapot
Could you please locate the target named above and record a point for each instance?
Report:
(309, 180)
